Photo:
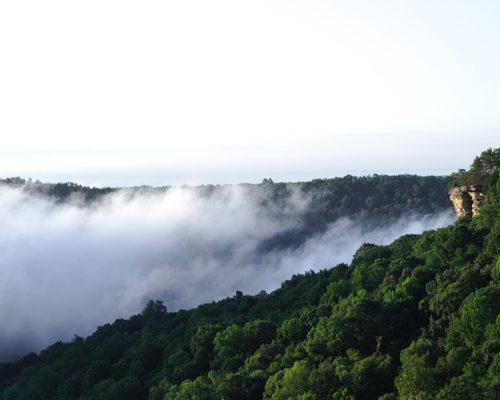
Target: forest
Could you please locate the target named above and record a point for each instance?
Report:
(416, 319)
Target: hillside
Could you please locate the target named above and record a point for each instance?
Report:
(417, 319)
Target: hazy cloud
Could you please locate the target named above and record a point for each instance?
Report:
(66, 268)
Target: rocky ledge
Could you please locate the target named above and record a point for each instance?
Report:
(466, 200)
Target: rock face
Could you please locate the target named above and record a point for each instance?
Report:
(466, 200)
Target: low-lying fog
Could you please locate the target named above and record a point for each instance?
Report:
(67, 268)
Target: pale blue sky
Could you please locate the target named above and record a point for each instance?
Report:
(162, 92)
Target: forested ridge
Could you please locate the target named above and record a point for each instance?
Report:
(373, 193)
(417, 319)
(373, 201)
(332, 198)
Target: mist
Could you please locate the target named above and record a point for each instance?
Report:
(68, 267)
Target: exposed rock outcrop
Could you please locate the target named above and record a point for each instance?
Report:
(466, 200)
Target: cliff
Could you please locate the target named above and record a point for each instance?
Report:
(466, 200)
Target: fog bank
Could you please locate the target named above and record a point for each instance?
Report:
(67, 268)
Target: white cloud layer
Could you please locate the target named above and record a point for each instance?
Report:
(66, 269)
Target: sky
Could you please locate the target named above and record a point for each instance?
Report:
(124, 93)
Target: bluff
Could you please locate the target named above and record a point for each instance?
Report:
(466, 200)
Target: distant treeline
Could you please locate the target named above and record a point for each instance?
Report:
(58, 192)
(417, 319)
(334, 197)
(374, 201)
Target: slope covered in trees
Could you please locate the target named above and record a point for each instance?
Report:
(417, 319)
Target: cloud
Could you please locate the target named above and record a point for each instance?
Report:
(67, 268)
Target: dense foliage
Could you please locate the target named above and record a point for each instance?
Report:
(59, 192)
(417, 319)
(373, 201)
(483, 172)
